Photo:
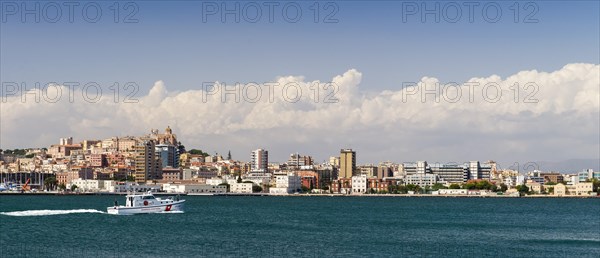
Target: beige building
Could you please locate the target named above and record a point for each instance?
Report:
(147, 165)
(584, 188)
(347, 163)
(241, 187)
(535, 186)
(126, 143)
(560, 190)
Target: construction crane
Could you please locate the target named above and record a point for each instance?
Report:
(26, 186)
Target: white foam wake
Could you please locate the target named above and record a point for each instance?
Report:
(48, 212)
(172, 212)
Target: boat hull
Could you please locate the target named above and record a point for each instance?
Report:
(175, 207)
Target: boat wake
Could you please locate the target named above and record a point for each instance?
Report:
(48, 212)
(172, 212)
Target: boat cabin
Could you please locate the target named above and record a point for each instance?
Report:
(139, 200)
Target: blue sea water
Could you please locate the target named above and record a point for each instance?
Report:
(303, 227)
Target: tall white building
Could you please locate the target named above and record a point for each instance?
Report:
(286, 184)
(260, 160)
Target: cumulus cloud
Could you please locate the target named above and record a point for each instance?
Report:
(528, 115)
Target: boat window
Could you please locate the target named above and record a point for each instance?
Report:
(148, 197)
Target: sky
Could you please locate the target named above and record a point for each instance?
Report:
(370, 50)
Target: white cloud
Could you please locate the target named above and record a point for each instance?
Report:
(384, 125)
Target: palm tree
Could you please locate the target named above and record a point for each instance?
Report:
(50, 183)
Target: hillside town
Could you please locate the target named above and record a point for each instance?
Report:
(158, 162)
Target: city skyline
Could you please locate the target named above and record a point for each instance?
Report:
(167, 148)
(548, 109)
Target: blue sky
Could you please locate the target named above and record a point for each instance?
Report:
(171, 43)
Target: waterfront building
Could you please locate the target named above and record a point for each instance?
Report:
(215, 181)
(310, 179)
(583, 188)
(347, 163)
(125, 187)
(450, 192)
(451, 172)
(560, 189)
(420, 174)
(194, 188)
(260, 161)
(241, 187)
(535, 187)
(359, 184)
(422, 179)
(477, 171)
(258, 178)
(91, 185)
(379, 185)
(286, 184)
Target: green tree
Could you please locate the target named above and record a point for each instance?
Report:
(402, 189)
(29, 155)
(454, 186)
(62, 186)
(198, 152)
(73, 187)
(229, 155)
(256, 189)
(239, 179)
(523, 189)
(305, 189)
(427, 189)
(595, 185)
(50, 183)
(503, 187)
(494, 188)
(438, 186)
(411, 187)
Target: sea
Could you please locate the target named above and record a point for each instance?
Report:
(301, 226)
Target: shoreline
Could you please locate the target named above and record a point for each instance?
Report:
(302, 195)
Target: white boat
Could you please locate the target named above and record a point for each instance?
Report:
(146, 203)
